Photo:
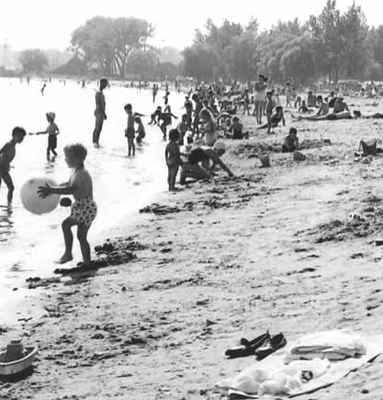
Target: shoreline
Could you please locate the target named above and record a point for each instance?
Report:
(275, 248)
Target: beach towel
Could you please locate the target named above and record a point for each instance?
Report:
(334, 345)
(274, 377)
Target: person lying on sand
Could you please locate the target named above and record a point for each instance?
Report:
(324, 110)
(275, 118)
(291, 142)
(201, 163)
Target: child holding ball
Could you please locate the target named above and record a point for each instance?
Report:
(84, 209)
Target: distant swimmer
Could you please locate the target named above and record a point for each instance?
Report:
(154, 92)
(99, 112)
(43, 89)
(166, 97)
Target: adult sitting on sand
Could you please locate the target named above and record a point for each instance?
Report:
(340, 106)
(275, 118)
(291, 142)
(201, 163)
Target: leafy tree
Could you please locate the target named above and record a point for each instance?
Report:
(33, 60)
(142, 63)
(354, 32)
(200, 62)
(242, 57)
(298, 60)
(108, 42)
(375, 38)
(328, 41)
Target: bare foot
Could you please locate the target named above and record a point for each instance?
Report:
(64, 259)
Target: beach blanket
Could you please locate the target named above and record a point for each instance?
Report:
(334, 345)
(273, 376)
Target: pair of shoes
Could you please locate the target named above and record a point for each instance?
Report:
(248, 347)
(275, 343)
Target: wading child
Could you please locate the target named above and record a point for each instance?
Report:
(172, 157)
(140, 130)
(7, 154)
(129, 131)
(84, 209)
(166, 118)
(154, 117)
(52, 131)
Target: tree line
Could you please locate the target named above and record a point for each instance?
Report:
(332, 46)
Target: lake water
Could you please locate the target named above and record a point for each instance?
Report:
(29, 244)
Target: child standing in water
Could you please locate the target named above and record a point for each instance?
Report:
(52, 131)
(140, 130)
(173, 159)
(84, 209)
(7, 154)
(129, 132)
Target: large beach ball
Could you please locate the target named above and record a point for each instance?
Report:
(33, 202)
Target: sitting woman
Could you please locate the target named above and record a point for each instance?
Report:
(340, 106)
(200, 163)
(275, 118)
(291, 142)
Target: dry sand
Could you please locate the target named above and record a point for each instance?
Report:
(289, 248)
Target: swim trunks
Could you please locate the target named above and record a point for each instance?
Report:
(84, 211)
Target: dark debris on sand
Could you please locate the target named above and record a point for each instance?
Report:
(367, 222)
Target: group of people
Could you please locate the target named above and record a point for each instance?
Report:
(193, 146)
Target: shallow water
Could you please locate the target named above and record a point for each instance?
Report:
(29, 244)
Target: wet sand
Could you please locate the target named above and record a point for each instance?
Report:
(292, 248)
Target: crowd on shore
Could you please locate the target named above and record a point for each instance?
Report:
(211, 112)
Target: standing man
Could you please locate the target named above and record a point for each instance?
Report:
(99, 112)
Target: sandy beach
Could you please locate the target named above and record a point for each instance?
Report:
(291, 249)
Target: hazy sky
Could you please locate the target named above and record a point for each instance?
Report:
(49, 23)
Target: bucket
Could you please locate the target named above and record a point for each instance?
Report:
(15, 351)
